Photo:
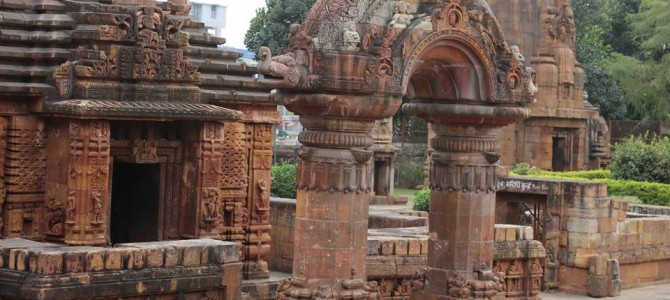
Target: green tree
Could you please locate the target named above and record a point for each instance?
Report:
(620, 34)
(644, 76)
(594, 19)
(270, 26)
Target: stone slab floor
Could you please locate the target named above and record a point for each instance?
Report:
(654, 292)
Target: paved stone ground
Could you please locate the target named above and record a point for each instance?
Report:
(654, 292)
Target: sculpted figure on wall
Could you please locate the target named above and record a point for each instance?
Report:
(281, 66)
(401, 15)
(351, 38)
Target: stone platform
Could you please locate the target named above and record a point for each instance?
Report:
(189, 269)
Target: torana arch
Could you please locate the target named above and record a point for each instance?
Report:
(350, 64)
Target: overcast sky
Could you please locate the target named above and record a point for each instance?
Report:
(239, 15)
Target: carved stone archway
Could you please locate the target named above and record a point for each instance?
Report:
(348, 65)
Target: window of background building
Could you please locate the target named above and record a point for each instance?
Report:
(196, 11)
(214, 8)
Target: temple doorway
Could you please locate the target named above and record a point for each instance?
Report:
(135, 203)
(558, 159)
(563, 145)
(381, 179)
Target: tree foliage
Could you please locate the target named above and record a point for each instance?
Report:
(637, 159)
(270, 26)
(625, 48)
(283, 181)
(594, 20)
(644, 75)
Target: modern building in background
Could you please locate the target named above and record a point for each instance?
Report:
(213, 15)
(226, 18)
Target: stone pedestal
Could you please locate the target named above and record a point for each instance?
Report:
(334, 181)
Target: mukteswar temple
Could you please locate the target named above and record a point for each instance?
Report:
(135, 157)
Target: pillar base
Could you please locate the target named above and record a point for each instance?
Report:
(256, 270)
(355, 289)
(459, 285)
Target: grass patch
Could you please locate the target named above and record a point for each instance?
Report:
(404, 192)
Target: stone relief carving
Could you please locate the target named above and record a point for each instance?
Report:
(459, 286)
(26, 146)
(401, 15)
(96, 198)
(453, 16)
(351, 38)
(283, 66)
(210, 204)
(145, 151)
(55, 214)
(562, 24)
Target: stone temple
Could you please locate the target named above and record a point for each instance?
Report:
(135, 157)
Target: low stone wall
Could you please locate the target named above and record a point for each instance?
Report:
(593, 247)
(397, 256)
(649, 209)
(190, 269)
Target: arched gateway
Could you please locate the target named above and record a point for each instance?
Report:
(350, 64)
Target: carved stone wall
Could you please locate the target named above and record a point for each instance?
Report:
(248, 147)
(25, 176)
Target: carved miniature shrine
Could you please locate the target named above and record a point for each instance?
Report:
(118, 127)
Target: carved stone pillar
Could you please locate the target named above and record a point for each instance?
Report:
(334, 183)
(463, 180)
(462, 214)
(87, 191)
(234, 183)
(3, 145)
(257, 243)
(384, 160)
(209, 157)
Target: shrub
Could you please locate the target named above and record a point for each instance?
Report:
(639, 160)
(283, 181)
(524, 169)
(647, 192)
(591, 174)
(422, 200)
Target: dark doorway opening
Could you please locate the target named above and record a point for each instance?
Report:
(381, 179)
(135, 203)
(559, 160)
